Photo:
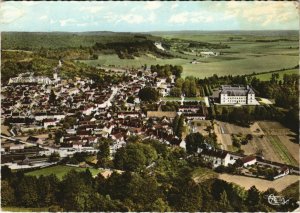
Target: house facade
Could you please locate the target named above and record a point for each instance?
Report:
(237, 95)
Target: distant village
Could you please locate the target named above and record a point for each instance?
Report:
(73, 115)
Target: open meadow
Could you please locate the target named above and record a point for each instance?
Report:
(267, 76)
(249, 52)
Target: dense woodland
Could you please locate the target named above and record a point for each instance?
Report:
(155, 178)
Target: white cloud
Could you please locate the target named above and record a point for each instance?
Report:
(193, 17)
(263, 13)
(91, 9)
(179, 18)
(174, 6)
(9, 14)
(152, 18)
(43, 17)
(52, 21)
(132, 19)
(65, 22)
(153, 5)
(129, 18)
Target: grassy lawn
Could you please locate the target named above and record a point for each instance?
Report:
(194, 99)
(282, 150)
(202, 174)
(267, 76)
(60, 171)
(21, 209)
(170, 98)
(246, 65)
(232, 148)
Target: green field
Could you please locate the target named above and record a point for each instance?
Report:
(60, 171)
(171, 99)
(194, 99)
(202, 174)
(20, 209)
(113, 59)
(267, 76)
(242, 58)
(244, 52)
(245, 55)
(282, 150)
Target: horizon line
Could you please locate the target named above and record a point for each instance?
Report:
(55, 31)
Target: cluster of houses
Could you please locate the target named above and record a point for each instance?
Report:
(88, 113)
(96, 112)
(218, 157)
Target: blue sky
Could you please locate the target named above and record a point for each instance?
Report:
(147, 16)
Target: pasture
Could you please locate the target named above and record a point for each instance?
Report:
(249, 52)
(137, 62)
(60, 171)
(267, 76)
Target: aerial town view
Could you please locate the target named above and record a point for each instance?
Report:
(149, 106)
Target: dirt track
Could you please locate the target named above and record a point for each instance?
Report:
(260, 184)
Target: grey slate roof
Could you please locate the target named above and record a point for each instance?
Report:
(236, 91)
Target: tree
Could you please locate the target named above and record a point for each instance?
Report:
(6, 173)
(175, 91)
(224, 204)
(177, 70)
(179, 83)
(148, 94)
(194, 141)
(185, 195)
(28, 192)
(7, 194)
(180, 126)
(253, 197)
(249, 137)
(130, 99)
(57, 135)
(193, 88)
(76, 193)
(54, 157)
(52, 97)
(160, 205)
(175, 124)
(103, 154)
(134, 157)
(48, 188)
(186, 87)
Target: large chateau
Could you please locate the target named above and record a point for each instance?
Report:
(237, 95)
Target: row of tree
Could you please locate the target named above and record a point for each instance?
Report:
(178, 126)
(186, 87)
(165, 71)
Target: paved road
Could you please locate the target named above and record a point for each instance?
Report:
(108, 102)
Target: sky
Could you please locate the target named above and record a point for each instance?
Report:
(148, 16)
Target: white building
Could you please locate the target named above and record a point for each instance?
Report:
(237, 95)
(218, 157)
(208, 53)
(29, 78)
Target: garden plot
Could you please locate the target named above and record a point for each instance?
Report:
(271, 139)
